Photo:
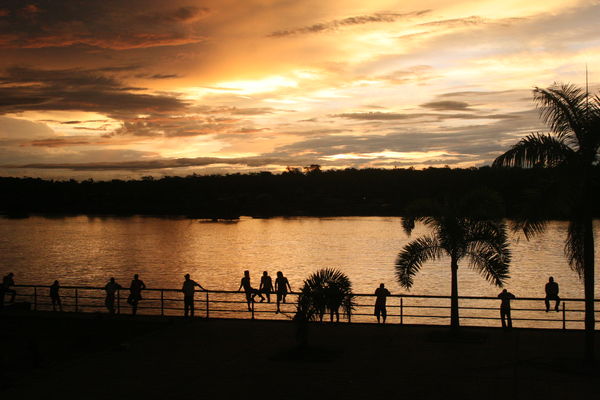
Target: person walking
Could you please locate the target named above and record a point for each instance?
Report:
(135, 293)
(55, 296)
(188, 289)
(506, 297)
(281, 288)
(551, 289)
(111, 289)
(266, 286)
(381, 294)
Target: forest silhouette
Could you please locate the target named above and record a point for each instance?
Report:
(358, 192)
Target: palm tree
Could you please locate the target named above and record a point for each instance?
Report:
(325, 290)
(572, 147)
(456, 235)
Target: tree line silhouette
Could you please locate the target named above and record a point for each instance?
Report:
(358, 192)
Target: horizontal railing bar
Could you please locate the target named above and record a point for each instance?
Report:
(423, 296)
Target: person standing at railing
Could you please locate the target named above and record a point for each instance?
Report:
(281, 288)
(249, 290)
(135, 293)
(111, 289)
(551, 289)
(266, 285)
(506, 297)
(188, 289)
(380, 302)
(7, 282)
(55, 296)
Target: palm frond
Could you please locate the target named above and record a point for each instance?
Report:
(324, 290)
(574, 246)
(530, 226)
(412, 257)
(488, 251)
(563, 108)
(536, 150)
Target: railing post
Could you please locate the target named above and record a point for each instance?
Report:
(34, 298)
(207, 307)
(401, 310)
(118, 301)
(76, 300)
(564, 315)
(252, 308)
(162, 303)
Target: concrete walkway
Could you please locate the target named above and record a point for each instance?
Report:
(155, 358)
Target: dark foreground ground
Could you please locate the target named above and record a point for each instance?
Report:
(66, 356)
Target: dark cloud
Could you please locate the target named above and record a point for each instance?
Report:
(378, 116)
(109, 24)
(350, 21)
(482, 142)
(174, 126)
(154, 164)
(467, 21)
(58, 142)
(24, 89)
(157, 76)
(447, 105)
(438, 106)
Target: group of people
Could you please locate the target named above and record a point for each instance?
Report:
(265, 289)
(551, 289)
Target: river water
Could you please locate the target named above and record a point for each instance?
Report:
(87, 250)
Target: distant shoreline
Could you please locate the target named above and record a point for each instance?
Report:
(331, 193)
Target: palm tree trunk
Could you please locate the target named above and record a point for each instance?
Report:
(588, 286)
(454, 321)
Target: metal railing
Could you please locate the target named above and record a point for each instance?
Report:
(402, 308)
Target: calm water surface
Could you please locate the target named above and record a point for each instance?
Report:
(88, 250)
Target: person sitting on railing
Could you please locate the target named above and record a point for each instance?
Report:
(55, 296)
(266, 285)
(188, 289)
(551, 289)
(506, 297)
(111, 289)
(380, 303)
(135, 293)
(249, 290)
(281, 287)
(7, 282)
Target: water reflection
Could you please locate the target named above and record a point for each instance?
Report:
(89, 250)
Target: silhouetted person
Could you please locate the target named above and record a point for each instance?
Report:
(111, 289)
(380, 307)
(135, 293)
(249, 290)
(188, 289)
(55, 296)
(7, 282)
(506, 297)
(266, 285)
(552, 294)
(281, 288)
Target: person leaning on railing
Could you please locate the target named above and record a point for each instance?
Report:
(506, 297)
(111, 289)
(7, 282)
(188, 289)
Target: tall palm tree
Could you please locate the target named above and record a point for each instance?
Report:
(326, 290)
(572, 146)
(456, 235)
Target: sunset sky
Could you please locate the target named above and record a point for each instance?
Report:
(122, 89)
